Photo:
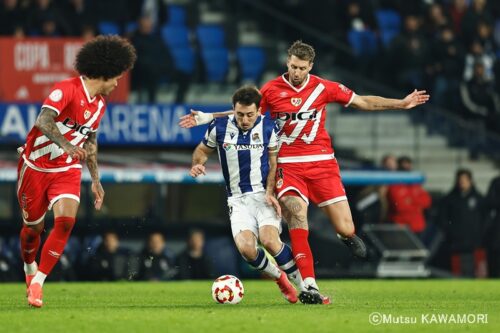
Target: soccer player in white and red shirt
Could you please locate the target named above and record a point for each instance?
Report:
(307, 168)
(49, 170)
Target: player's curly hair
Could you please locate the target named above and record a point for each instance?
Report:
(247, 95)
(105, 57)
(302, 51)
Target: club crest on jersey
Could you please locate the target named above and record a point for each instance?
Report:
(296, 101)
(86, 114)
(56, 95)
(255, 137)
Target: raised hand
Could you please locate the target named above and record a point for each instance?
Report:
(415, 98)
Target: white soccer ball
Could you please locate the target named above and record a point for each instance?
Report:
(227, 289)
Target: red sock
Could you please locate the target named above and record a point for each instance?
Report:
(302, 252)
(55, 243)
(30, 241)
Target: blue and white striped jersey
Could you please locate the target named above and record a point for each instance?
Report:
(243, 155)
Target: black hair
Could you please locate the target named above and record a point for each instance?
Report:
(105, 57)
(247, 95)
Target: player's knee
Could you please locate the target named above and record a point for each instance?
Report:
(271, 243)
(31, 232)
(64, 224)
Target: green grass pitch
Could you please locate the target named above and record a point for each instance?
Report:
(188, 307)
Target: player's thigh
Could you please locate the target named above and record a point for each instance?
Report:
(294, 210)
(325, 184)
(242, 218)
(32, 194)
(290, 178)
(264, 213)
(340, 216)
(64, 193)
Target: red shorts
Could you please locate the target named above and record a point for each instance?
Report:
(38, 191)
(318, 181)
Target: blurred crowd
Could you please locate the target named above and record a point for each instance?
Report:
(106, 258)
(449, 47)
(461, 228)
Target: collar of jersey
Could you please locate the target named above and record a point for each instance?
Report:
(91, 100)
(291, 85)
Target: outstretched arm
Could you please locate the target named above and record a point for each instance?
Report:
(376, 103)
(90, 147)
(47, 125)
(200, 157)
(196, 118)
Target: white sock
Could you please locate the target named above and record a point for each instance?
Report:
(39, 278)
(30, 269)
(272, 270)
(310, 282)
(263, 264)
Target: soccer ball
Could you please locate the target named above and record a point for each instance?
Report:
(227, 289)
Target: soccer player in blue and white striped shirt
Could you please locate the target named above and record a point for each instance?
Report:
(247, 144)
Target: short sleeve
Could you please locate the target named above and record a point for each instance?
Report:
(273, 140)
(338, 93)
(210, 136)
(60, 96)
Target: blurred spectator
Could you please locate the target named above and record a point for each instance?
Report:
(78, 16)
(457, 12)
(153, 61)
(492, 231)
(409, 55)
(448, 57)
(12, 17)
(436, 20)
(192, 263)
(477, 54)
(461, 218)
(477, 11)
(407, 202)
(480, 99)
(156, 261)
(109, 263)
(45, 19)
(156, 10)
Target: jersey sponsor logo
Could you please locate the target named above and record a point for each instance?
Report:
(86, 114)
(82, 129)
(25, 214)
(229, 146)
(56, 95)
(279, 184)
(294, 116)
(296, 101)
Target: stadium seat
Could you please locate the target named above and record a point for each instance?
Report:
(176, 15)
(108, 28)
(175, 36)
(363, 43)
(387, 36)
(211, 36)
(216, 63)
(184, 59)
(130, 27)
(252, 61)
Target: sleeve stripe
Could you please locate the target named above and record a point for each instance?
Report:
(50, 107)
